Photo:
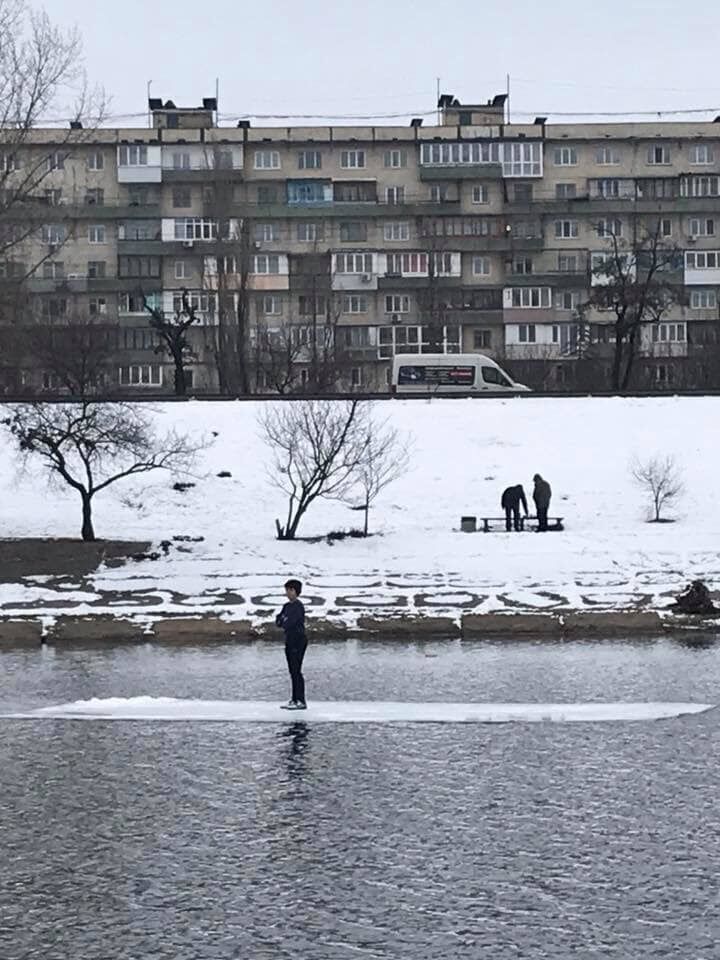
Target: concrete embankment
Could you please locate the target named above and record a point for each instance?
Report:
(66, 631)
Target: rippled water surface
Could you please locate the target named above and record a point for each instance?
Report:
(192, 841)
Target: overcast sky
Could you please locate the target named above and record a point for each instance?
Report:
(375, 57)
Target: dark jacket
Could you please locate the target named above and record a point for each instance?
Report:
(542, 493)
(513, 497)
(292, 620)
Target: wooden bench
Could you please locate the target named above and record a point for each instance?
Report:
(469, 524)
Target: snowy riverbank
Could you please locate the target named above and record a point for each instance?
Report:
(417, 563)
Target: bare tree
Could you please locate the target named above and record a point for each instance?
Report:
(634, 283)
(173, 334)
(661, 478)
(93, 445)
(316, 447)
(275, 358)
(77, 355)
(40, 72)
(386, 458)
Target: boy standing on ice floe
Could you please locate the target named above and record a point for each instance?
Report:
(292, 620)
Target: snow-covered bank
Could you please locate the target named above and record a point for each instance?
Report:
(465, 452)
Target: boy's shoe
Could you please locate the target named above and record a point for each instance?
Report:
(300, 705)
(290, 705)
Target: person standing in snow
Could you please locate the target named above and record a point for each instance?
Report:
(291, 619)
(510, 502)
(541, 495)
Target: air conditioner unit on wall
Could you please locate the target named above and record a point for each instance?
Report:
(188, 244)
(366, 278)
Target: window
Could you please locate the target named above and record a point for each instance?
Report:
(180, 160)
(481, 266)
(393, 231)
(480, 194)
(53, 270)
(565, 191)
(133, 156)
(395, 195)
(353, 263)
(701, 227)
(439, 193)
(669, 333)
(404, 264)
(565, 157)
(609, 228)
(354, 191)
(398, 340)
(352, 159)
(359, 336)
(8, 162)
(607, 156)
(311, 306)
(266, 232)
(526, 333)
(54, 233)
(703, 299)
(658, 155)
(53, 308)
(266, 160)
(522, 265)
(270, 305)
(353, 231)
(96, 269)
(450, 154)
(354, 304)
(702, 260)
(664, 374)
(306, 191)
(356, 376)
(97, 233)
(567, 262)
(134, 302)
(140, 375)
(139, 195)
(395, 158)
(182, 197)
(195, 228)
(267, 263)
(567, 300)
(659, 188)
(397, 303)
(309, 232)
(608, 188)
(95, 195)
(181, 270)
(201, 302)
(699, 186)
(309, 160)
(139, 266)
(56, 161)
(566, 229)
(701, 153)
(530, 297)
(665, 227)
(482, 339)
(138, 338)
(97, 306)
(522, 159)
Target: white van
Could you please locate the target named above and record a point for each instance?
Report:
(450, 373)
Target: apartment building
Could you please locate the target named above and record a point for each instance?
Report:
(338, 246)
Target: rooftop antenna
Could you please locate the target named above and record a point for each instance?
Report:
(149, 85)
(217, 101)
(508, 98)
(437, 99)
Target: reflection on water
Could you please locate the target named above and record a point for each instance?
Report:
(296, 744)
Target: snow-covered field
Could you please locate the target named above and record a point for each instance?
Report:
(465, 452)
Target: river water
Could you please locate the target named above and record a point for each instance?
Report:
(209, 841)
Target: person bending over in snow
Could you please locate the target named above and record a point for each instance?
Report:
(292, 620)
(511, 499)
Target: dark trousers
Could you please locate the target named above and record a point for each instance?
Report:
(294, 653)
(512, 518)
(542, 513)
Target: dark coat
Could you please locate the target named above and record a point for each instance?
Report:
(513, 497)
(292, 620)
(542, 494)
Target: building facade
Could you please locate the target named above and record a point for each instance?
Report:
(311, 255)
